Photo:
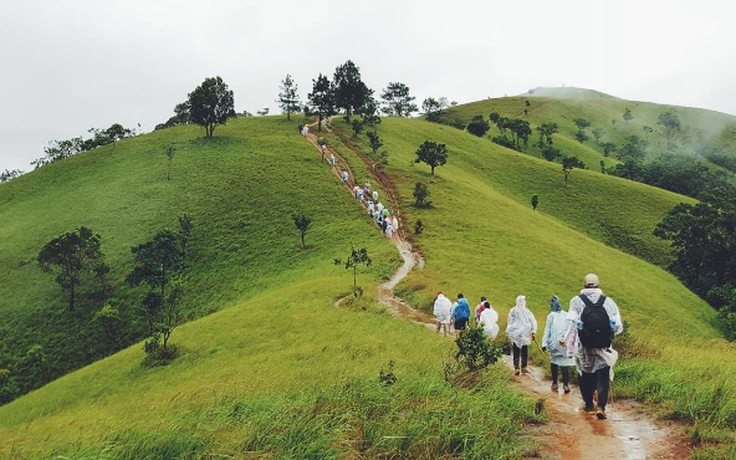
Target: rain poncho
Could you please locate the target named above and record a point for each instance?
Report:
(379, 208)
(345, 176)
(461, 309)
(395, 223)
(521, 324)
(443, 309)
(590, 360)
(555, 327)
(332, 159)
(375, 195)
(489, 321)
(389, 231)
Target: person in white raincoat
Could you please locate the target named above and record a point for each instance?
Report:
(521, 329)
(559, 360)
(488, 320)
(593, 363)
(443, 313)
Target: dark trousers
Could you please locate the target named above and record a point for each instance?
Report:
(599, 381)
(524, 356)
(565, 374)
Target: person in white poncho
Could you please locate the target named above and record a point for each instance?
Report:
(593, 320)
(443, 313)
(488, 320)
(559, 360)
(521, 329)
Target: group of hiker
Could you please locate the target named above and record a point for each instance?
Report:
(581, 337)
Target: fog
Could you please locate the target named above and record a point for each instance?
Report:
(70, 66)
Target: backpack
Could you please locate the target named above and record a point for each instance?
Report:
(596, 331)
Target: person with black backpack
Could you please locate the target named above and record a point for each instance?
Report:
(593, 321)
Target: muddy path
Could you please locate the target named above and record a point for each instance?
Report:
(570, 434)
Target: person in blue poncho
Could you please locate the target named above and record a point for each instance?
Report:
(461, 313)
(558, 356)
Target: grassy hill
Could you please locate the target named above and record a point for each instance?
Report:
(483, 238)
(280, 369)
(701, 129)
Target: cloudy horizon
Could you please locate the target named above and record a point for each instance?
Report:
(70, 69)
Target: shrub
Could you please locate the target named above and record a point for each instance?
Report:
(475, 351)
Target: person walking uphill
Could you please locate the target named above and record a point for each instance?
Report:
(461, 313)
(593, 320)
(521, 329)
(443, 313)
(558, 358)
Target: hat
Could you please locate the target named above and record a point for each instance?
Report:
(591, 280)
(439, 292)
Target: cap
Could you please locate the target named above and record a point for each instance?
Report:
(591, 280)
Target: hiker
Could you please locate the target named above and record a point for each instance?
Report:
(375, 195)
(360, 194)
(479, 309)
(592, 321)
(384, 223)
(305, 130)
(379, 208)
(389, 230)
(395, 223)
(323, 147)
(300, 127)
(332, 160)
(521, 329)
(488, 320)
(345, 176)
(367, 188)
(371, 208)
(356, 189)
(556, 325)
(461, 313)
(442, 312)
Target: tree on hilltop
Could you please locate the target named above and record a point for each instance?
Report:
(627, 115)
(212, 103)
(432, 154)
(322, 98)
(289, 96)
(478, 126)
(350, 91)
(434, 108)
(397, 100)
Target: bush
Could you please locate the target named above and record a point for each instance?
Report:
(475, 351)
(157, 355)
(500, 140)
(418, 227)
(387, 379)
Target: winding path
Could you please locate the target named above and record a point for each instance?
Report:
(628, 434)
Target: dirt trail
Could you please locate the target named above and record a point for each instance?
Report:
(628, 434)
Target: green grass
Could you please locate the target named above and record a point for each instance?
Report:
(699, 125)
(278, 369)
(483, 238)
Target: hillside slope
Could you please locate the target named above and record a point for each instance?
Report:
(483, 238)
(281, 369)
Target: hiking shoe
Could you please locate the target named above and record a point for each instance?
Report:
(590, 410)
(523, 370)
(555, 387)
(517, 372)
(567, 389)
(601, 414)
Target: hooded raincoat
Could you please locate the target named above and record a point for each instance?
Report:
(489, 321)
(521, 324)
(556, 326)
(443, 309)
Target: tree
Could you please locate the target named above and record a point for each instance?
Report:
(212, 103)
(375, 141)
(421, 192)
(647, 130)
(32, 369)
(598, 133)
(289, 96)
(322, 98)
(494, 117)
(608, 148)
(109, 319)
(71, 255)
(550, 153)
(8, 387)
(603, 167)
(627, 116)
(478, 126)
(357, 128)
(634, 149)
(356, 258)
(581, 136)
(350, 91)
(546, 130)
(181, 116)
(581, 123)
(369, 111)
(570, 163)
(431, 153)
(418, 227)
(535, 202)
(302, 223)
(397, 100)
(434, 108)
(170, 150)
(9, 174)
(159, 265)
(671, 124)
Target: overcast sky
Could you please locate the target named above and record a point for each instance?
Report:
(67, 66)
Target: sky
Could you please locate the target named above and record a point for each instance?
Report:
(68, 66)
